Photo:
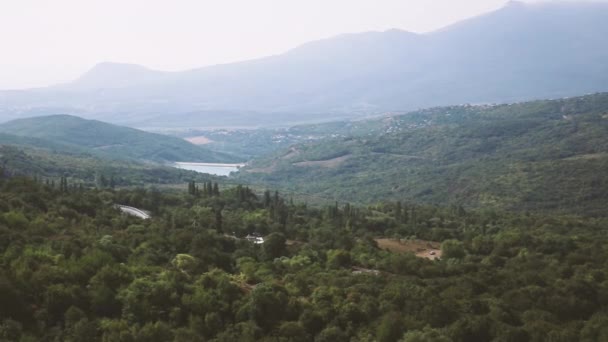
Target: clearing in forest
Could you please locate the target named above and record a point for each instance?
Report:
(421, 248)
(329, 163)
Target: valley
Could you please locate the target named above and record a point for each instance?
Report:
(448, 185)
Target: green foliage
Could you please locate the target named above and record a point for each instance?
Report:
(426, 335)
(390, 328)
(75, 268)
(452, 249)
(542, 155)
(71, 133)
(75, 171)
(274, 246)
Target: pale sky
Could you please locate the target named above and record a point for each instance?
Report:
(44, 42)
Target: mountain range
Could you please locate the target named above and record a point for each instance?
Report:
(519, 52)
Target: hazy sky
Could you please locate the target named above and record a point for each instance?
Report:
(48, 41)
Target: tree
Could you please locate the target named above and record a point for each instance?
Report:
(154, 332)
(332, 334)
(185, 263)
(267, 305)
(218, 220)
(274, 246)
(192, 188)
(398, 212)
(452, 249)
(293, 331)
(10, 330)
(390, 328)
(267, 199)
(426, 335)
(596, 328)
(63, 184)
(338, 258)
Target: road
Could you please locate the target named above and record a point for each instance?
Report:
(133, 211)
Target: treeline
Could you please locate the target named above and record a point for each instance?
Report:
(75, 269)
(209, 189)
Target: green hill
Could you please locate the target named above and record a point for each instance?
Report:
(542, 155)
(88, 170)
(71, 133)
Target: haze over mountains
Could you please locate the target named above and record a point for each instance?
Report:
(520, 52)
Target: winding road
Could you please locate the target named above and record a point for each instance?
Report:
(133, 211)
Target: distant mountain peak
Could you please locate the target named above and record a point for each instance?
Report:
(116, 66)
(399, 31)
(515, 3)
(116, 75)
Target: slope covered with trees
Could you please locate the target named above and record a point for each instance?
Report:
(75, 269)
(542, 155)
(85, 170)
(68, 133)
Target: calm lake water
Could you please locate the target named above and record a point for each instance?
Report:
(211, 168)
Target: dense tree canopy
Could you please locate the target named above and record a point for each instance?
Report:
(74, 269)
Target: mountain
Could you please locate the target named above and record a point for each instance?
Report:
(519, 52)
(115, 75)
(66, 133)
(541, 155)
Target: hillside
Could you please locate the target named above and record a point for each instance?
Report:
(70, 133)
(542, 155)
(76, 269)
(88, 170)
(520, 52)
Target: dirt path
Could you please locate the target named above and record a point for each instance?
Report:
(329, 163)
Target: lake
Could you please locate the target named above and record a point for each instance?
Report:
(211, 168)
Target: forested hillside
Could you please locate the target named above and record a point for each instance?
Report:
(75, 269)
(542, 155)
(66, 133)
(82, 169)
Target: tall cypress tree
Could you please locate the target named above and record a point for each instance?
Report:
(63, 184)
(267, 199)
(398, 212)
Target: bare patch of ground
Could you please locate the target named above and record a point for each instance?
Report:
(293, 152)
(421, 248)
(105, 147)
(268, 169)
(361, 270)
(329, 163)
(404, 156)
(199, 140)
(588, 156)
